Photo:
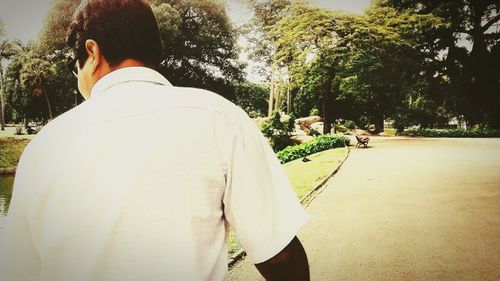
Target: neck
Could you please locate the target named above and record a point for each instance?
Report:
(106, 68)
(126, 63)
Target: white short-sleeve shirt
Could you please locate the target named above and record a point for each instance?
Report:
(141, 182)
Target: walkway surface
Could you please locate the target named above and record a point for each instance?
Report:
(406, 209)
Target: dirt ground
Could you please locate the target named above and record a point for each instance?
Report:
(406, 209)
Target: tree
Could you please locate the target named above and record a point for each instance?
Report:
(57, 21)
(307, 32)
(199, 45)
(252, 98)
(35, 77)
(8, 48)
(21, 105)
(258, 33)
(470, 46)
(261, 45)
(278, 131)
(358, 67)
(38, 86)
(387, 65)
(313, 43)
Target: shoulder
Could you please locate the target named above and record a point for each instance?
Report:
(59, 126)
(54, 133)
(211, 101)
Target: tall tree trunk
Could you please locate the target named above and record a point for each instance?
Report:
(325, 107)
(379, 121)
(48, 105)
(2, 101)
(288, 98)
(271, 93)
(326, 101)
(327, 123)
(481, 95)
(278, 92)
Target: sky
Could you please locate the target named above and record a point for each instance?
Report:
(23, 18)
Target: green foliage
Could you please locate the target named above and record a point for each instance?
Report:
(468, 74)
(453, 133)
(310, 42)
(349, 124)
(420, 112)
(169, 21)
(384, 67)
(258, 33)
(252, 97)
(318, 144)
(278, 131)
(56, 23)
(314, 111)
(34, 81)
(340, 128)
(351, 65)
(199, 47)
(401, 120)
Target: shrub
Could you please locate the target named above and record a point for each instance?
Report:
(340, 128)
(349, 124)
(452, 133)
(314, 111)
(252, 98)
(278, 131)
(318, 144)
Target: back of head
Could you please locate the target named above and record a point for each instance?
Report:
(124, 29)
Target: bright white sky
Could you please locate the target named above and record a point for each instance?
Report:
(23, 18)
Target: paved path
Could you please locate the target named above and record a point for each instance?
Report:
(407, 209)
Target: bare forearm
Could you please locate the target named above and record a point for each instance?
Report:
(289, 264)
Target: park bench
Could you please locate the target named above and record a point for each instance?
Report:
(362, 140)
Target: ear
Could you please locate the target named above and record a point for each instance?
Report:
(94, 54)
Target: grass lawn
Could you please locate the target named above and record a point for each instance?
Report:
(10, 151)
(304, 176)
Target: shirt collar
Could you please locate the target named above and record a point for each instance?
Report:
(127, 74)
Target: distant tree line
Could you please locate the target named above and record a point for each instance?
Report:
(416, 62)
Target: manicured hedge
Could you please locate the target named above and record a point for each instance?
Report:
(453, 133)
(318, 144)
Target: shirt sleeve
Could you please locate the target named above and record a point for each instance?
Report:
(259, 202)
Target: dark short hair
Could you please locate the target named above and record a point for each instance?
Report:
(123, 29)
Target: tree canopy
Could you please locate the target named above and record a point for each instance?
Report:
(199, 44)
(356, 67)
(471, 54)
